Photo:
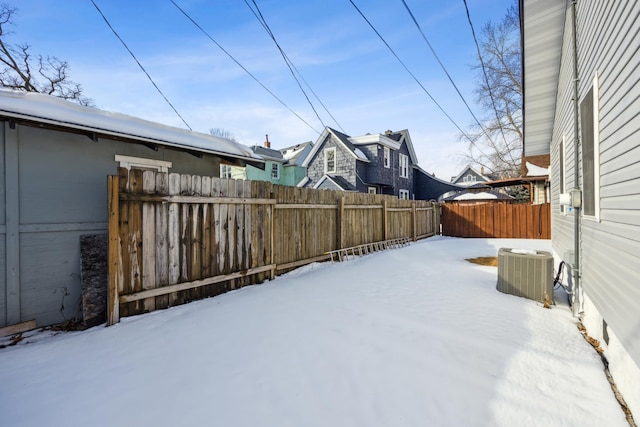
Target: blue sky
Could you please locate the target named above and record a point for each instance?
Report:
(353, 73)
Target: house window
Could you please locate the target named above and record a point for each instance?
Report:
(469, 178)
(225, 171)
(330, 160)
(372, 190)
(275, 170)
(404, 166)
(387, 157)
(142, 163)
(404, 194)
(590, 152)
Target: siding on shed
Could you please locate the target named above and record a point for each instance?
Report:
(608, 45)
(55, 191)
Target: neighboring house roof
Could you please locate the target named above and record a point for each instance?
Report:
(50, 110)
(342, 139)
(389, 139)
(339, 182)
(469, 169)
(533, 170)
(268, 153)
(296, 154)
(428, 187)
(478, 195)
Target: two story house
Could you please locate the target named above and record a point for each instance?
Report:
(372, 163)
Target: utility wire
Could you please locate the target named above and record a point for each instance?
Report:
(258, 14)
(241, 66)
(443, 67)
(262, 21)
(411, 74)
(139, 64)
(484, 72)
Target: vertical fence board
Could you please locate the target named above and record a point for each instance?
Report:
(174, 237)
(135, 240)
(162, 244)
(148, 240)
(114, 254)
(123, 285)
(195, 220)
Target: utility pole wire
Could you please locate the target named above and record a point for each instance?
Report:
(444, 68)
(241, 66)
(410, 73)
(262, 21)
(290, 64)
(140, 65)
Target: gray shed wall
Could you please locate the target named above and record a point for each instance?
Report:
(54, 187)
(610, 244)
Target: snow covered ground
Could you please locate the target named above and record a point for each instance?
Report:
(408, 337)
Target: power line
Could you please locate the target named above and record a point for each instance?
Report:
(410, 73)
(240, 65)
(484, 72)
(261, 19)
(139, 64)
(258, 14)
(442, 66)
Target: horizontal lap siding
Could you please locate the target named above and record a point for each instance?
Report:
(609, 45)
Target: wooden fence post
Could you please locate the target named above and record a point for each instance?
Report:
(271, 213)
(340, 223)
(385, 219)
(415, 224)
(113, 274)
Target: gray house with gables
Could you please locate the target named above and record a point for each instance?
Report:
(373, 163)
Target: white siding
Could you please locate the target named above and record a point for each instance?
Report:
(609, 45)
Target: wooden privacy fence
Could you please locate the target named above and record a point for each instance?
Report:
(177, 238)
(499, 220)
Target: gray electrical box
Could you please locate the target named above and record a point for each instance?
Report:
(526, 273)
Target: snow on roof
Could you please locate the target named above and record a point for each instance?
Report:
(56, 111)
(297, 153)
(534, 170)
(476, 196)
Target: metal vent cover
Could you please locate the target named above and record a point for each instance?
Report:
(525, 273)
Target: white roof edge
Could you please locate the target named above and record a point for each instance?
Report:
(48, 109)
(376, 138)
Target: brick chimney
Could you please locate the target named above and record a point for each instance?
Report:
(266, 141)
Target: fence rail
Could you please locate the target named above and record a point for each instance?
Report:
(497, 220)
(177, 238)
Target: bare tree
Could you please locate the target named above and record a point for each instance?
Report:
(222, 134)
(20, 70)
(497, 145)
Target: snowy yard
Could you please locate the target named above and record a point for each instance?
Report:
(415, 336)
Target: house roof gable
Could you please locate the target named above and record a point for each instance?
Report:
(342, 139)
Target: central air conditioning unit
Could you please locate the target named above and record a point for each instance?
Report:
(526, 273)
